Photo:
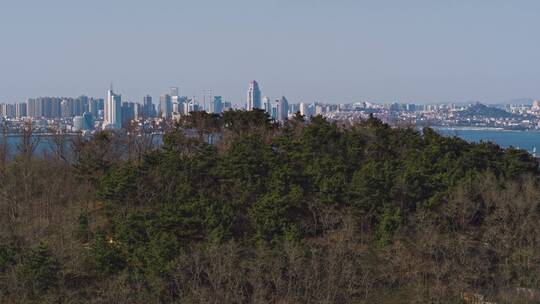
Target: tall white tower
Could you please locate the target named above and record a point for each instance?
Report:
(267, 105)
(113, 110)
(283, 109)
(253, 96)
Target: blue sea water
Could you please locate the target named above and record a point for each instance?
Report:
(527, 140)
(43, 145)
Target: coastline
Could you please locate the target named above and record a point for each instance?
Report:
(492, 129)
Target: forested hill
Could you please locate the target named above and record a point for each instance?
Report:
(479, 110)
(307, 212)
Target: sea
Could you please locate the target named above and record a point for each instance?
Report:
(43, 144)
(526, 140)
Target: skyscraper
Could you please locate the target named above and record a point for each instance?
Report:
(267, 105)
(31, 107)
(216, 107)
(253, 96)
(274, 110)
(7, 110)
(93, 107)
(303, 109)
(113, 111)
(128, 112)
(88, 121)
(279, 110)
(148, 110)
(21, 110)
(165, 106)
(176, 104)
(78, 123)
(283, 109)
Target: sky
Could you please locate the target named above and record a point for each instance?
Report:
(331, 51)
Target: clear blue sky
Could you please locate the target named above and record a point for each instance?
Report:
(310, 50)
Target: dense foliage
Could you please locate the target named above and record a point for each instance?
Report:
(238, 209)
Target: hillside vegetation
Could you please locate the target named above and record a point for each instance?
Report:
(312, 212)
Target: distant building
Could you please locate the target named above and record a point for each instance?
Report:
(66, 109)
(7, 110)
(88, 121)
(113, 111)
(20, 110)
(280, 109)
(283, 109)
(535, 105)
(227, 106)
(216, 107)
(93, 107)
(274, 110)
(267, 105)
(253, 96)
(410, 107)
(148, 110)
(128, 112)
(304, 109)
(31, 107)
(165, 106)
(78, 123)
(319, 110)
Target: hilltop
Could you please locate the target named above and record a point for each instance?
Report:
(481, 110)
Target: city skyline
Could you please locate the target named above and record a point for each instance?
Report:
(242, 101)
(418, 51)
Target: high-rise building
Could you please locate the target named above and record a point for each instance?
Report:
(31, 107)
(55, 108)
(21, 110)
(176, 104)
(174, 91)
(253, 96)
(216, 107)
(113, 111)
(7, 110)
(137, 110)
(66, 108)
(190, 106)
(47, 107)
(283, 109)
(267, 105)
(279, 110)
(128, 112)
(101, 105)
(535, 105)
(38, 111)
(227, 106)
(303, 109)
(319, 110)
(294, 108)
(181, 105)
(274, 110)
(165, 106)
(78, 123)
(148, 109)
(93, 107)
(88, 121)
(81, 105)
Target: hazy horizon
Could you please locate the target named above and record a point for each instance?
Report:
(339, 51)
